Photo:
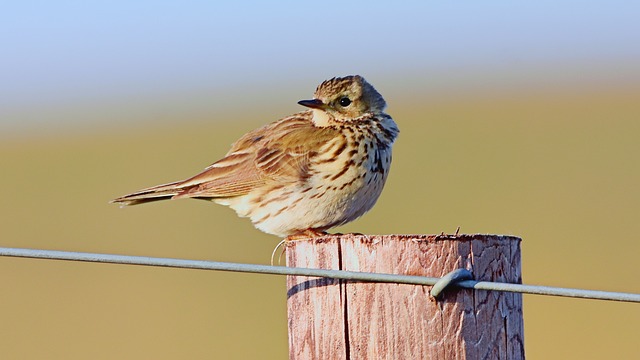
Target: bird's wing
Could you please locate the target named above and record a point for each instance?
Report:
(279, 152)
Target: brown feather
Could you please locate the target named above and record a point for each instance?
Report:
(279, 151)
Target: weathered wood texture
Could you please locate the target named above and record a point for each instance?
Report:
(336, 319)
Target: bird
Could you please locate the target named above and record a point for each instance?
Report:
(305, 173)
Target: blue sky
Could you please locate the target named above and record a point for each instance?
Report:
(65, 52)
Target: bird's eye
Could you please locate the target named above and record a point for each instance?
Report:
(344, 102)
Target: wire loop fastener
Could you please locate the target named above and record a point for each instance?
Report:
(450, 279)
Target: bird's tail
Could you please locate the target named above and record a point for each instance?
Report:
(155, 193)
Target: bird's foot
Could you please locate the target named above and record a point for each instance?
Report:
(306, 234)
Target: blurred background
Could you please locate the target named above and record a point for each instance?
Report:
(515, 118)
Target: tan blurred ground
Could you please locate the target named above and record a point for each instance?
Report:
(560, 169)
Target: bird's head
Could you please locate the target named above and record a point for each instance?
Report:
(344, 99)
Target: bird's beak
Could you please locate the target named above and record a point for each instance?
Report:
(314, 104)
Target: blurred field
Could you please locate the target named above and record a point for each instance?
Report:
(560, 169)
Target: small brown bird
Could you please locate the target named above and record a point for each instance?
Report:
(303, 174)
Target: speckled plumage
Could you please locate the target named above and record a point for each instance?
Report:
(305, 173)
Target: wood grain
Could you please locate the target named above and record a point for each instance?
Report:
(337, 319)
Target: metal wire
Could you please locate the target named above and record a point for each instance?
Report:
(335, 274)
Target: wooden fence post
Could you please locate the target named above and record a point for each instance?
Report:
(338, 319)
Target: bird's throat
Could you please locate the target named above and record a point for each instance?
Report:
(321, 118)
